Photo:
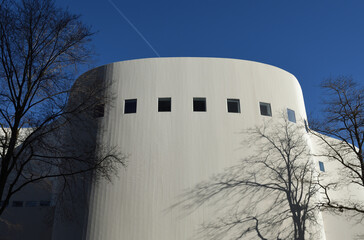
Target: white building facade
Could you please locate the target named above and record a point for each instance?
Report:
(180, 121)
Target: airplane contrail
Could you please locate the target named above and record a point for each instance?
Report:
(134, 27)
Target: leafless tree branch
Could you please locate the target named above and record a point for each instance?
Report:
(48, 130)
(340, 133)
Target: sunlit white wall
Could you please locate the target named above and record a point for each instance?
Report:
(170, 152)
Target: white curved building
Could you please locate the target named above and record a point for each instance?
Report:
(180, 121)
(172, 151)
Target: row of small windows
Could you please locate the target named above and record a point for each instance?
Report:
(28, 203)
(165, 105)
(199, 105)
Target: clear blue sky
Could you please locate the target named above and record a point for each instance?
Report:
(311, 39)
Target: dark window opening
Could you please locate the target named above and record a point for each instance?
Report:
(199, 104)
(265, 109)
(291, 115)
(99, 110)
(31, 203)
(322, 167)
(44, 203)
(130, 106)
(17, 203)
(233, 105)
(164, 104)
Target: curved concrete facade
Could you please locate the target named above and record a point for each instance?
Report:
(170, 152)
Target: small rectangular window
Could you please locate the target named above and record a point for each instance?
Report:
(265, 109)
(164, 104)
(130, 106)
(44, 203)
(17, 204)
(31, 203)
(99, 110)
(199, 104)
(233, 105)
(322, 167)
(291, 115)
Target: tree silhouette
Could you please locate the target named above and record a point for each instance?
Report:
(340, 133)
(42, 137)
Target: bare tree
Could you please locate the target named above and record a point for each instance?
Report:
(341, 133)
(42, 137)
(270, 194)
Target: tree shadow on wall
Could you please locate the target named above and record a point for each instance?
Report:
(269, 195)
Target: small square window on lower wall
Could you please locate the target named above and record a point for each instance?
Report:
(17, 204)
(265, 109)
(322, 166)
(44, 203)
(233, 105)
(31, 204)
(291, 115)
(164, 104)
(199, 104)
(130, 106)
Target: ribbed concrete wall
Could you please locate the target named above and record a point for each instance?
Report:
(170, 152)
(346, 224)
